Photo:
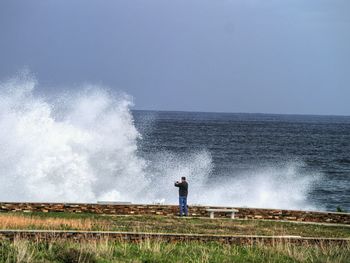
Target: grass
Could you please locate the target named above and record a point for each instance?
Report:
(105, 250)
(155, 224)
(157, 251)
(34, 222)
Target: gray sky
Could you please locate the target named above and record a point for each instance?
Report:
(272, 56)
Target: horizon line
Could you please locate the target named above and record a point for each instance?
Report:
(247, 113)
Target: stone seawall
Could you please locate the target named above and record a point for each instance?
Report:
(172, 210)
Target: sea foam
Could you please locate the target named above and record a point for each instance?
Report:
(82, 146)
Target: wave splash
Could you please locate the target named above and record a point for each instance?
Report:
(82, 147)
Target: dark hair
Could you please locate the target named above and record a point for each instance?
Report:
(183, 178)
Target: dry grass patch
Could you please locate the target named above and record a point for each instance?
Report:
(25, 222)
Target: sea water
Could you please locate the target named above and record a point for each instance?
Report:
(88, 145)
(255, 160)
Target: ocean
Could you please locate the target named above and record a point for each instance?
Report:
(87, 145)
(274, 157)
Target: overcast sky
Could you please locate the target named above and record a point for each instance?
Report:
(269, 56)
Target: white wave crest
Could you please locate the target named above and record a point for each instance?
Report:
(83, 147)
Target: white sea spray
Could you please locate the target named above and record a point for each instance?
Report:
(82, 147)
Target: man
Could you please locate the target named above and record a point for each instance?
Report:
(183, 191)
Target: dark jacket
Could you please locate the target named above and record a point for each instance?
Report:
(183, 188)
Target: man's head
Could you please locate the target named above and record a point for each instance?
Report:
(183, 178)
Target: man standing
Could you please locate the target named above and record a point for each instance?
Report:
(183, 191)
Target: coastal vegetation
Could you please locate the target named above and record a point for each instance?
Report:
(158, 251)
(153, 250)
(163, 224)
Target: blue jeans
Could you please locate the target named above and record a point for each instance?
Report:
(183, 205)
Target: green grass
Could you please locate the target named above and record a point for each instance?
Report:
(156, 251)
(161, 251)
(154, 224)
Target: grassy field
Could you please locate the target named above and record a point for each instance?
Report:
(103, 250)
(155, 224)
(153, 251)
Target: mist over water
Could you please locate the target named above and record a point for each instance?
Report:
(84, 146)
(273, 187)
